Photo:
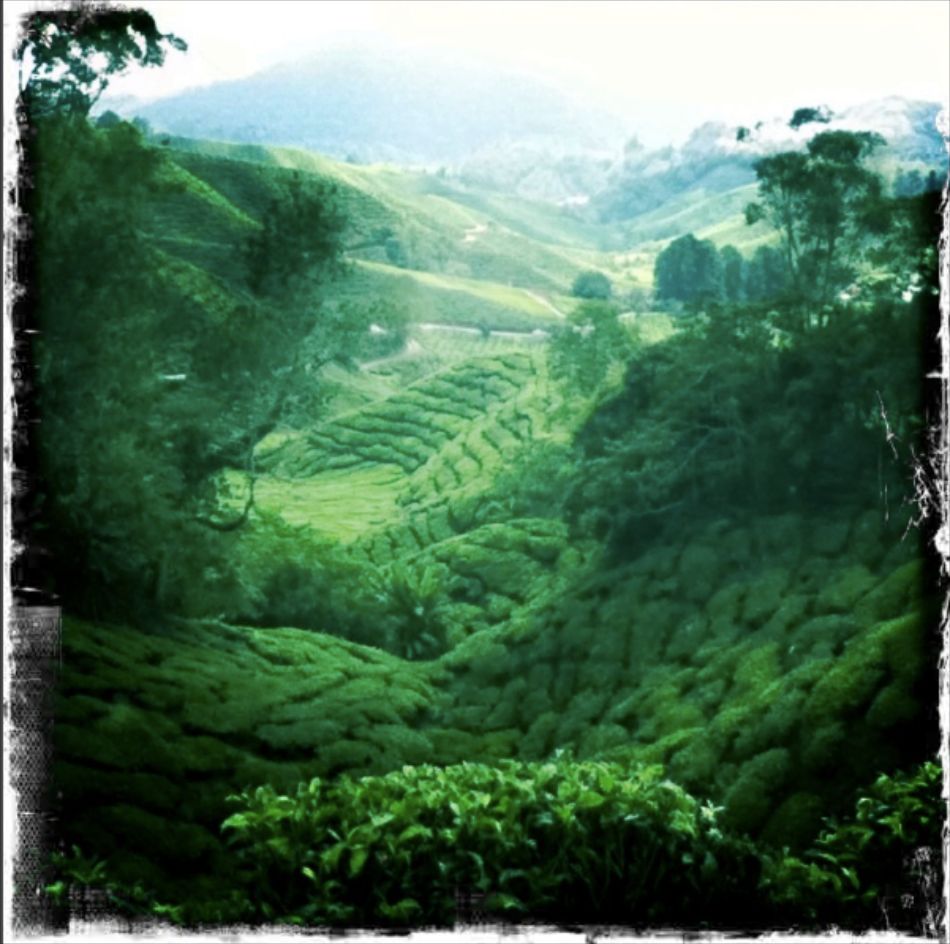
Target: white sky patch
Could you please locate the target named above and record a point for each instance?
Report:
(662, 66)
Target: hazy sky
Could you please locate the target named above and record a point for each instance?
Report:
(660, 65)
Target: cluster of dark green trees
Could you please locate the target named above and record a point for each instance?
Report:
(802, 385)
(695, 273)
(142, 392)
(832, 215)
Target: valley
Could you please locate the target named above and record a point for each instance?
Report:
(447, 500)
(413, 591)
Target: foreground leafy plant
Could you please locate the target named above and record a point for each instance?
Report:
(862, 872)
(553, 842)
(76, 874)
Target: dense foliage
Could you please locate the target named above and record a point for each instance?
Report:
(328, 525)
(593, 339)
(833, 390)
(591, 284)
(554, 842)
(689, 270)
(551, 842)
(69, 55)
(152, 376)
(686, 435)
(827, 205)
(696, 274)
(884, 860)
(147, 391)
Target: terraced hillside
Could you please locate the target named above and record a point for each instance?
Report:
(751, 696)
(410, 586)
(412, 220)
(750, 658)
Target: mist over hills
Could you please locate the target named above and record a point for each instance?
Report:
(714, 159)
(492, 127)
(373, 105)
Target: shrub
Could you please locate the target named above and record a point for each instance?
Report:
(591, 284)
(554, 841)
(861, 872)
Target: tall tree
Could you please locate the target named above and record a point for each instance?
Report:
(146, 388)
(733, 274)
(821, 202)
(592, 340)
(765, 275)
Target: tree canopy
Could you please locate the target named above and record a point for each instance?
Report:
(153, 375)
(592, 340)
(689, 270)
(67, 57)
(591, 284)
(822, 201)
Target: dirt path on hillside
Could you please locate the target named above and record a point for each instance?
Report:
(541, 300)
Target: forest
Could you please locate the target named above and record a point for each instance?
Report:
(419, 554)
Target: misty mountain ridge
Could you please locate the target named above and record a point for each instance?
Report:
(494, 127)
(716, 157)
(388, 105)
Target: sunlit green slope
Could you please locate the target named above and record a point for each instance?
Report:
(401, 600)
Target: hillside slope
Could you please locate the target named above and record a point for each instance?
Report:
(402, 105)
(410, 588)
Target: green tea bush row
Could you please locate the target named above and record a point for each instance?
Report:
(552, 842)
(547, 842)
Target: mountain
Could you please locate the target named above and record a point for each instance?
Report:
(715, 160)
(389, 104)
(517, 134)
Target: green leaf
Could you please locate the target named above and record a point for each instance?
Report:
(590, 799)
(236, 821)
(402, 910)
(410, 832)
(330, 858)
(357, 860)
(564, 812)
(508, 874)
(502, 901)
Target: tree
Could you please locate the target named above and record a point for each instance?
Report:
(298, 238)
(733, 274)
(689, 270)
(108, 119)
(592, 284)
(804, 116)
(109, 489)
(267, 342)
(67, 57)
(821, 202)
(147, 387)
(592, 340)
(765, 275)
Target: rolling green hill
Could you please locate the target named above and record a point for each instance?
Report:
(411, 585)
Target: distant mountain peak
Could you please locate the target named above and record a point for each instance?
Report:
(387, 103)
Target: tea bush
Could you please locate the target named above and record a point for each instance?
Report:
(861, 872)
(555, 841)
